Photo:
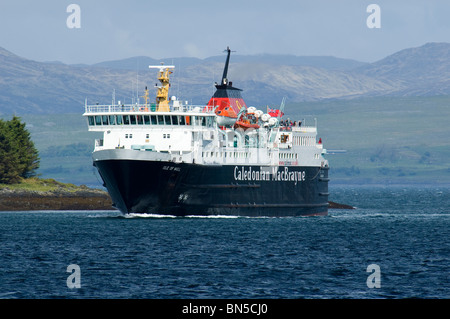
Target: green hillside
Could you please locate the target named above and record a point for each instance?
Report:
(387, 140)
(65, 146)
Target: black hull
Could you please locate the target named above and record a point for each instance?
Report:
(183, 189)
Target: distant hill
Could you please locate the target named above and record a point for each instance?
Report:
(34, 87)
(325, 62)
(419, 71)
(142, 62)
(51, 87)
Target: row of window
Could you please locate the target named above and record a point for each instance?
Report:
(304, 140)
(288, 155)
(246, 155)
(146, 135)
(100, 120)
(230, 154)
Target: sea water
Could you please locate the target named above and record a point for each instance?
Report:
(396, 244)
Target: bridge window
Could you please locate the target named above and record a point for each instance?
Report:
(132, 119)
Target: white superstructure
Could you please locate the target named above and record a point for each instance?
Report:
(191, 134)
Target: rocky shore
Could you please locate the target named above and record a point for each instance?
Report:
(80, 199)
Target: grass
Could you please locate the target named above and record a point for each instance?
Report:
(387, 139)
(36, 184)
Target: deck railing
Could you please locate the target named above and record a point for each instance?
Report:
(127, 108)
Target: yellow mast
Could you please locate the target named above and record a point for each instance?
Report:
(162, 96)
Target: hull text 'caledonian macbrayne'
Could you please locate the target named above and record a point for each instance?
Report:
(223, 158)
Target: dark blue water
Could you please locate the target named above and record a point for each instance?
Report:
(405, 231)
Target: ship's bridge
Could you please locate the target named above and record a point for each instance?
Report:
(101, 117)
(141, 127)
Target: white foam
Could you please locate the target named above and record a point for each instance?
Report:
(142, 215)
(212, 216)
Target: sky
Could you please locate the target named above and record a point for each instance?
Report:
(105, 30)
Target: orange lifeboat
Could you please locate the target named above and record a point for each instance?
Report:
(246, 121)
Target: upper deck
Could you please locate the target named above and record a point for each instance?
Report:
(101, 117)
(148, 108)
(192, 133)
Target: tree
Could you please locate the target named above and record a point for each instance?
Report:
(18, 155)
(24, 147)
(8, 159)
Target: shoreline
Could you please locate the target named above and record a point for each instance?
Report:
(73, 201)
(61, 197)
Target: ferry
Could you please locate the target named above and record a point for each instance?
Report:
(218, 159)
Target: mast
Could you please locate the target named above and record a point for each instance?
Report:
(225, 69)
(145, 96)
(162, 96)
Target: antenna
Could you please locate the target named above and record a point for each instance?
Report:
(178, 78)
(137, 81)
(137, 87)
(283, 101)
(161, 67)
